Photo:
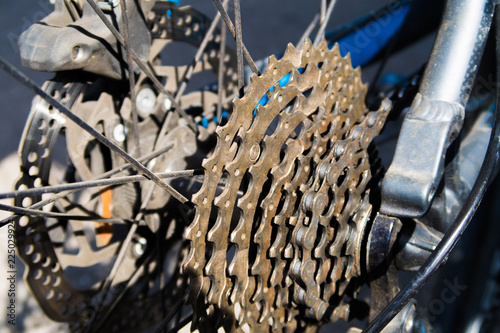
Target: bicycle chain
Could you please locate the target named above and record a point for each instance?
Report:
(265, 251)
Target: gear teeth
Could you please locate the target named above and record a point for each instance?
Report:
(253, 77)
(271, 65)
(322, 46)
(292, 55)
(293, 218)
(348, 57)
(307, 46)
(335, 50)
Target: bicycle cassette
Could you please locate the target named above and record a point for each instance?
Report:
(278, 246)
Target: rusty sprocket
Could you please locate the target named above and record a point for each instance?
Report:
(280, 242)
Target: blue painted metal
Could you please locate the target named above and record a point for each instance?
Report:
(365, 43)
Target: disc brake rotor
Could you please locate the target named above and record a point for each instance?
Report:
(279, 245)
(68, 260)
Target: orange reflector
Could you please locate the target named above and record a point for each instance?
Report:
(104, 231)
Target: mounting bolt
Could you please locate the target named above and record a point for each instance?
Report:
(119, 133)
(146, 101)
(140, 246)
(167, 104)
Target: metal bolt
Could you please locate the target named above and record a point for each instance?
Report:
(140, 247)
(167, 103)
(119, 133)
(146, 101)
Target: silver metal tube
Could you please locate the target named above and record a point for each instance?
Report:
(437, 113)
(457, 51)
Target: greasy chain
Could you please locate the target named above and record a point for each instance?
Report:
(281, 241)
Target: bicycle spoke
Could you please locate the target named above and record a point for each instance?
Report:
(18, 75)
(323, 10)
(118, 298)
(33, 212)
(121, 254)
(95, 183)
(176, 308)
(324, 22)
(232, 30)
(308, 31)
(222, 55)
(183, 322)
(110, 278)
(104, 175)
(201, 49)
(131, 78)
(149, 73)
(161, 272)
(239, 48)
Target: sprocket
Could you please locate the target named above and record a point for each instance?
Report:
(281, 241)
